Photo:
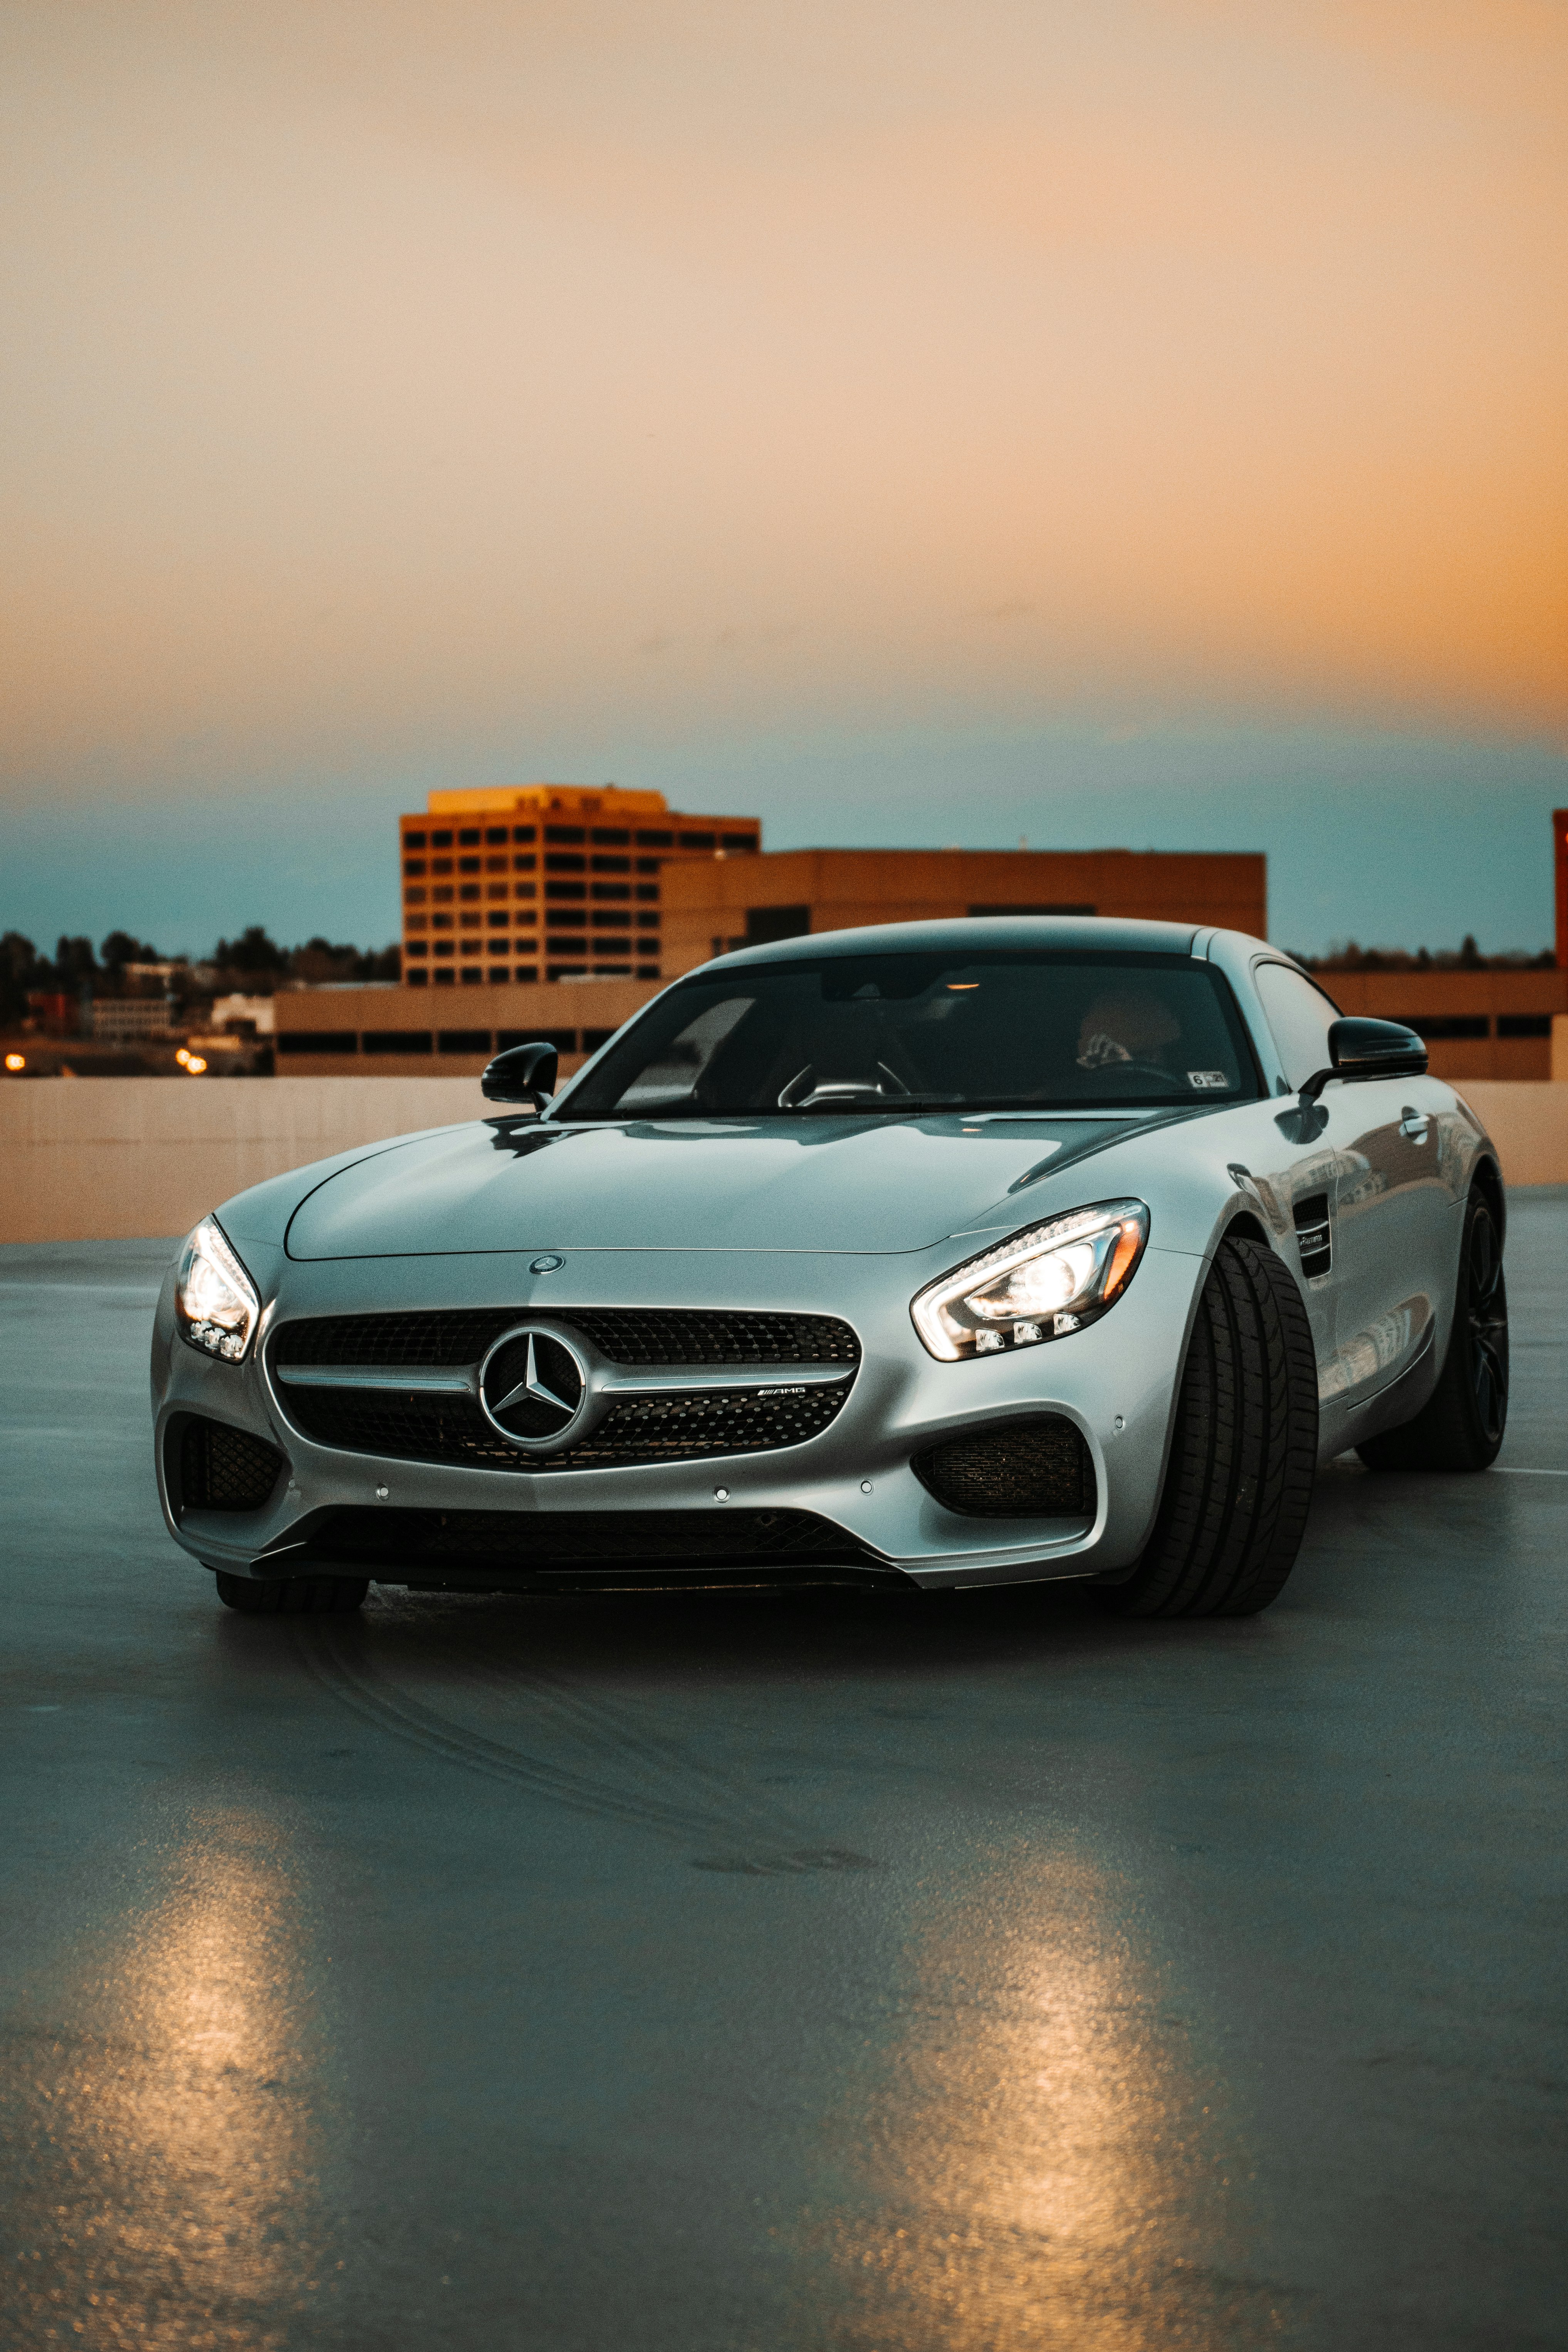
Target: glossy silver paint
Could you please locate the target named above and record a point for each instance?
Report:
(852, 1216)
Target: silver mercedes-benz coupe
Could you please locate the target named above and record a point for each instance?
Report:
(939, 1254)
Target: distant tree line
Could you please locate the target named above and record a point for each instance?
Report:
(254, 964)
(1465, 957)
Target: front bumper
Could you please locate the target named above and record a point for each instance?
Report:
(1116, 1380)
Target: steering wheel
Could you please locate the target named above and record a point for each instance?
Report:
(1132, 1070)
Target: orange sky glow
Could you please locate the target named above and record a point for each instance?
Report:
(372, 368)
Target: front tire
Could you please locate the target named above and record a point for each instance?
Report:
(1243, 1452)
(1461, 1425)
(290, 1596)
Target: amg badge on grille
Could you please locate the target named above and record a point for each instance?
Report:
(535, 1390)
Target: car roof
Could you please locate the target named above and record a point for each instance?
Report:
(955, 933)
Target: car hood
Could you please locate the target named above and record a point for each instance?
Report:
(817, 1184)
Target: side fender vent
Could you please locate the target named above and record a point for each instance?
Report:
(1312, 1237)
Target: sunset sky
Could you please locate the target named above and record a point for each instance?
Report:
(1139, 422)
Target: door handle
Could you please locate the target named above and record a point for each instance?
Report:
(1415, 1124)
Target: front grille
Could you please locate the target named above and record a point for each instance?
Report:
(1025, 1469)
(223, 1469)
(412, 1427)
(518, 1542)
(444, 1338)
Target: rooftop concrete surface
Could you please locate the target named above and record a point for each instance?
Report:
(887, 1974)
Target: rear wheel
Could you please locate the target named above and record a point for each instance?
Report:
(1243, 1452)
(1461, 1426)
(290, 1596)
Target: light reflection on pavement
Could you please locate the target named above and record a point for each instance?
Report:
(176, 2115)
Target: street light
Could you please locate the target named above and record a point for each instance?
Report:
(16, 1061)
(194, 1064)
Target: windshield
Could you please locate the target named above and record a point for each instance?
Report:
(897, 1033)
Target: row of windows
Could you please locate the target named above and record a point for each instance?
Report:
(498, 974)
(561, 919)
(439, 1040)
(603, 836)
(557, 862)
(610, 893)
(1434, 1025)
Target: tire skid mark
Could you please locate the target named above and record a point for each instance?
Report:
(613, 1730)
(389, 1709)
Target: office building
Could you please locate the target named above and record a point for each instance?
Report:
(533, 885)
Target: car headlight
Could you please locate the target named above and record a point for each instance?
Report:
(215, 1303)
(1041, 1284)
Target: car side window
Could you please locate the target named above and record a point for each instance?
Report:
(1300, 1016)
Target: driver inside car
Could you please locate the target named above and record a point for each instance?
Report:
(1126, 1025)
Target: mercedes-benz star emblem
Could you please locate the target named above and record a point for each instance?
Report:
(534, 1389)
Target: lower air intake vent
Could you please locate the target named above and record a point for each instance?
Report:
(223, 1469)
(515, 1544)
(1039, 1468)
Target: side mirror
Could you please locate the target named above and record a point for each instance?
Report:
(1368, 1049)
(522, 1074)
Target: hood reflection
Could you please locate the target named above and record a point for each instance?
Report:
(183, 2092)
(1042, 2163)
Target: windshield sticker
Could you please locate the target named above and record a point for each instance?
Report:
(1208, 1078)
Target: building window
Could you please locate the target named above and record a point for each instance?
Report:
(440, 922)
(467, 889)
(413, 840)
(414, 865)
(318, 1041)
(566, 833)
(524, 865)
(418, 948)
(645, 971)
(525, 914)
(463, 1040)
(609, 918)
(440, 841)
(417, 978)
(569, 919)
(443, 947)
(612, 837)
(560, 864)
(468, 838)
(741, 841)
(610, 890)
(495, 833)
(441, 866)
(526, 972)
(610, 865)
(443, 894)
(522, 833)
(699, 841)
(468, 864)
(444, 977)
(495, 865)
(565, 971)
(765, 924)
(1524, 1024)
(471, 975)
(648, 918)
(397, 1041)
(1456, 1025)
(495, 891)
(656, 841)
(418, 922)
(566, 889)
(499, 972)
(416, 895)
(649, 890)
(525, 889)
(466, 922)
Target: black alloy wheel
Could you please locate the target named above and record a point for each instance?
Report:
(1461, 1425)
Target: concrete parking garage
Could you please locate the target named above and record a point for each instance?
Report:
(748, 1972)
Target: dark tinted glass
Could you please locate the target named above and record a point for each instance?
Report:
(999, 1031)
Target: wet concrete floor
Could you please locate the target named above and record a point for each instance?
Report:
(821, 1971)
